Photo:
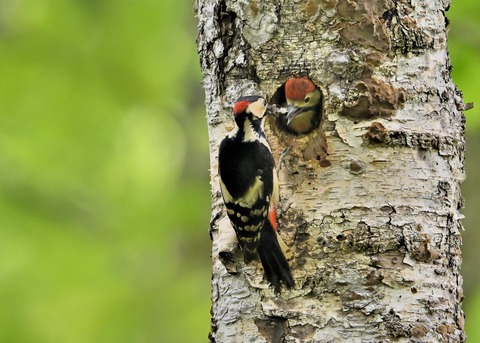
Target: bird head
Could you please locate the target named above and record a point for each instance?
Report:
(252, 107)
(302, 96)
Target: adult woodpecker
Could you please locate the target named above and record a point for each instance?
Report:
(249, 186)
(304, 102)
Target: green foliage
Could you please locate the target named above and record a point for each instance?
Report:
(104, 201)
(464, 43)
(104, 194)
(464, 47)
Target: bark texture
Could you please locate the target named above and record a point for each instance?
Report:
(370, 200)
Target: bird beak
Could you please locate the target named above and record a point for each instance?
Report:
(269, 110)
(292, 112)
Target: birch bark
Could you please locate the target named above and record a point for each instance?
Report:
(370, 200)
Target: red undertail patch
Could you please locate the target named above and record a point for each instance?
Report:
(272, 217)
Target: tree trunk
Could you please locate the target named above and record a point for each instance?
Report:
(370, 200)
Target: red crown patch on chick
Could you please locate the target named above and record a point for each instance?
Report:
(296, 88)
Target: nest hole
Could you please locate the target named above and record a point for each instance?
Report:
(306, 108)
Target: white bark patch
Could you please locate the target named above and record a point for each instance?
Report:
(259, 20)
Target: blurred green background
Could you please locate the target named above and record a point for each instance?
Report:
(104, 201)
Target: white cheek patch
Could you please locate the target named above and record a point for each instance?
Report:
(257, 108)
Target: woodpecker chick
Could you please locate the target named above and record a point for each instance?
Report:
(249, 186)
(304, 102)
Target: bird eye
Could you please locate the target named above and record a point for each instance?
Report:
(307, 99)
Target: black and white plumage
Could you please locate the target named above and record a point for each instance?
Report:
(249, 186)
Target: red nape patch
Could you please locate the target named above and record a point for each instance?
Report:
(240, 106)
(272, 218)
(297, 88)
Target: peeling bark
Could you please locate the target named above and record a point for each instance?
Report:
(370, 200)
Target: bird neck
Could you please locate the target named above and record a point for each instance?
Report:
(302, 123)
(249, 129)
